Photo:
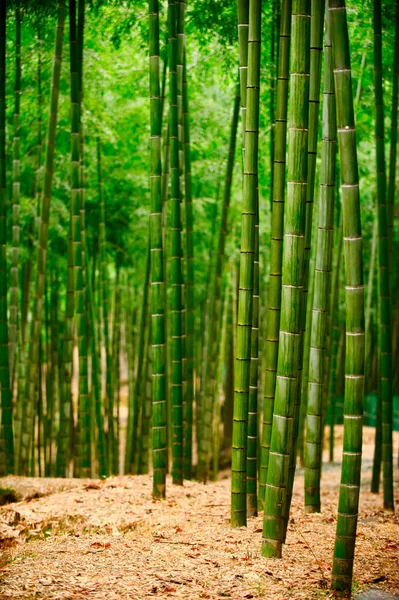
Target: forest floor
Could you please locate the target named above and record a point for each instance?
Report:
(109, 540)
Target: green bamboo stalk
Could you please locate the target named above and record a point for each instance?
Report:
(132, 443)
(158, 298)
(66, 410)
(217, 403)
(243, 32)
(246, 283)
(36, 195)
(394, 139)
(143, 462)
(252, 435)
(129, 316)
(190, 296)
(384, 287)
(322, 284)
(77, 256)
(16, 185)
(104, 309)
(276, 245)
(31, 380)
(205, 438)
(369, 299)
(116, 364)
(354, 368)
(316, 47)
(292, 285)
(331, 368)
(272, 84)
(176, 279)
(6, 396)
(96, 379)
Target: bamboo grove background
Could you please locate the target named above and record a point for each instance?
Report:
(184, 283)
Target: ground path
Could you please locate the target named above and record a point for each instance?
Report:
(111, 540)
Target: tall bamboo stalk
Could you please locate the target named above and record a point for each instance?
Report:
(384, 287)
(159, 440)
(246, 283)
(322, 284)
(176, 279)
(354, 368)
(16, 185)
(6, 396)
(394, 139)
(292, 285)
(190, 296)
(32, 370)
(276, 245)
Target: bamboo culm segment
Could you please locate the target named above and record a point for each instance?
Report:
(322, 284)
(40, 275)
(176, 279)
(276, 244)
(243, 28)
(292, 288)
(384, 284)
(159, 441)
(246, 287)
(354, 368)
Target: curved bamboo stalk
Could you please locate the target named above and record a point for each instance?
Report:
(354, 370)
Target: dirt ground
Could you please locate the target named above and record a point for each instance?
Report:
(111, 540)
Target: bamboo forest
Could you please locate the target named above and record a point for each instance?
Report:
(199, 299)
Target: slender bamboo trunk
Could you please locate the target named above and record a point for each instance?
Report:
(96, 380)
(360, 80)
(14, 316)
(369, 299)
(158, 298)
(246, 282)
(176, 278)
(394, 139)
(322, 284)
(333, 343)
(384, 287)
(32, 372)
(66, 408)
(6, 396)
(243, 32)
(190, 296)
(354, 371)
(316, 47)
(276, 250)
(275, 509)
